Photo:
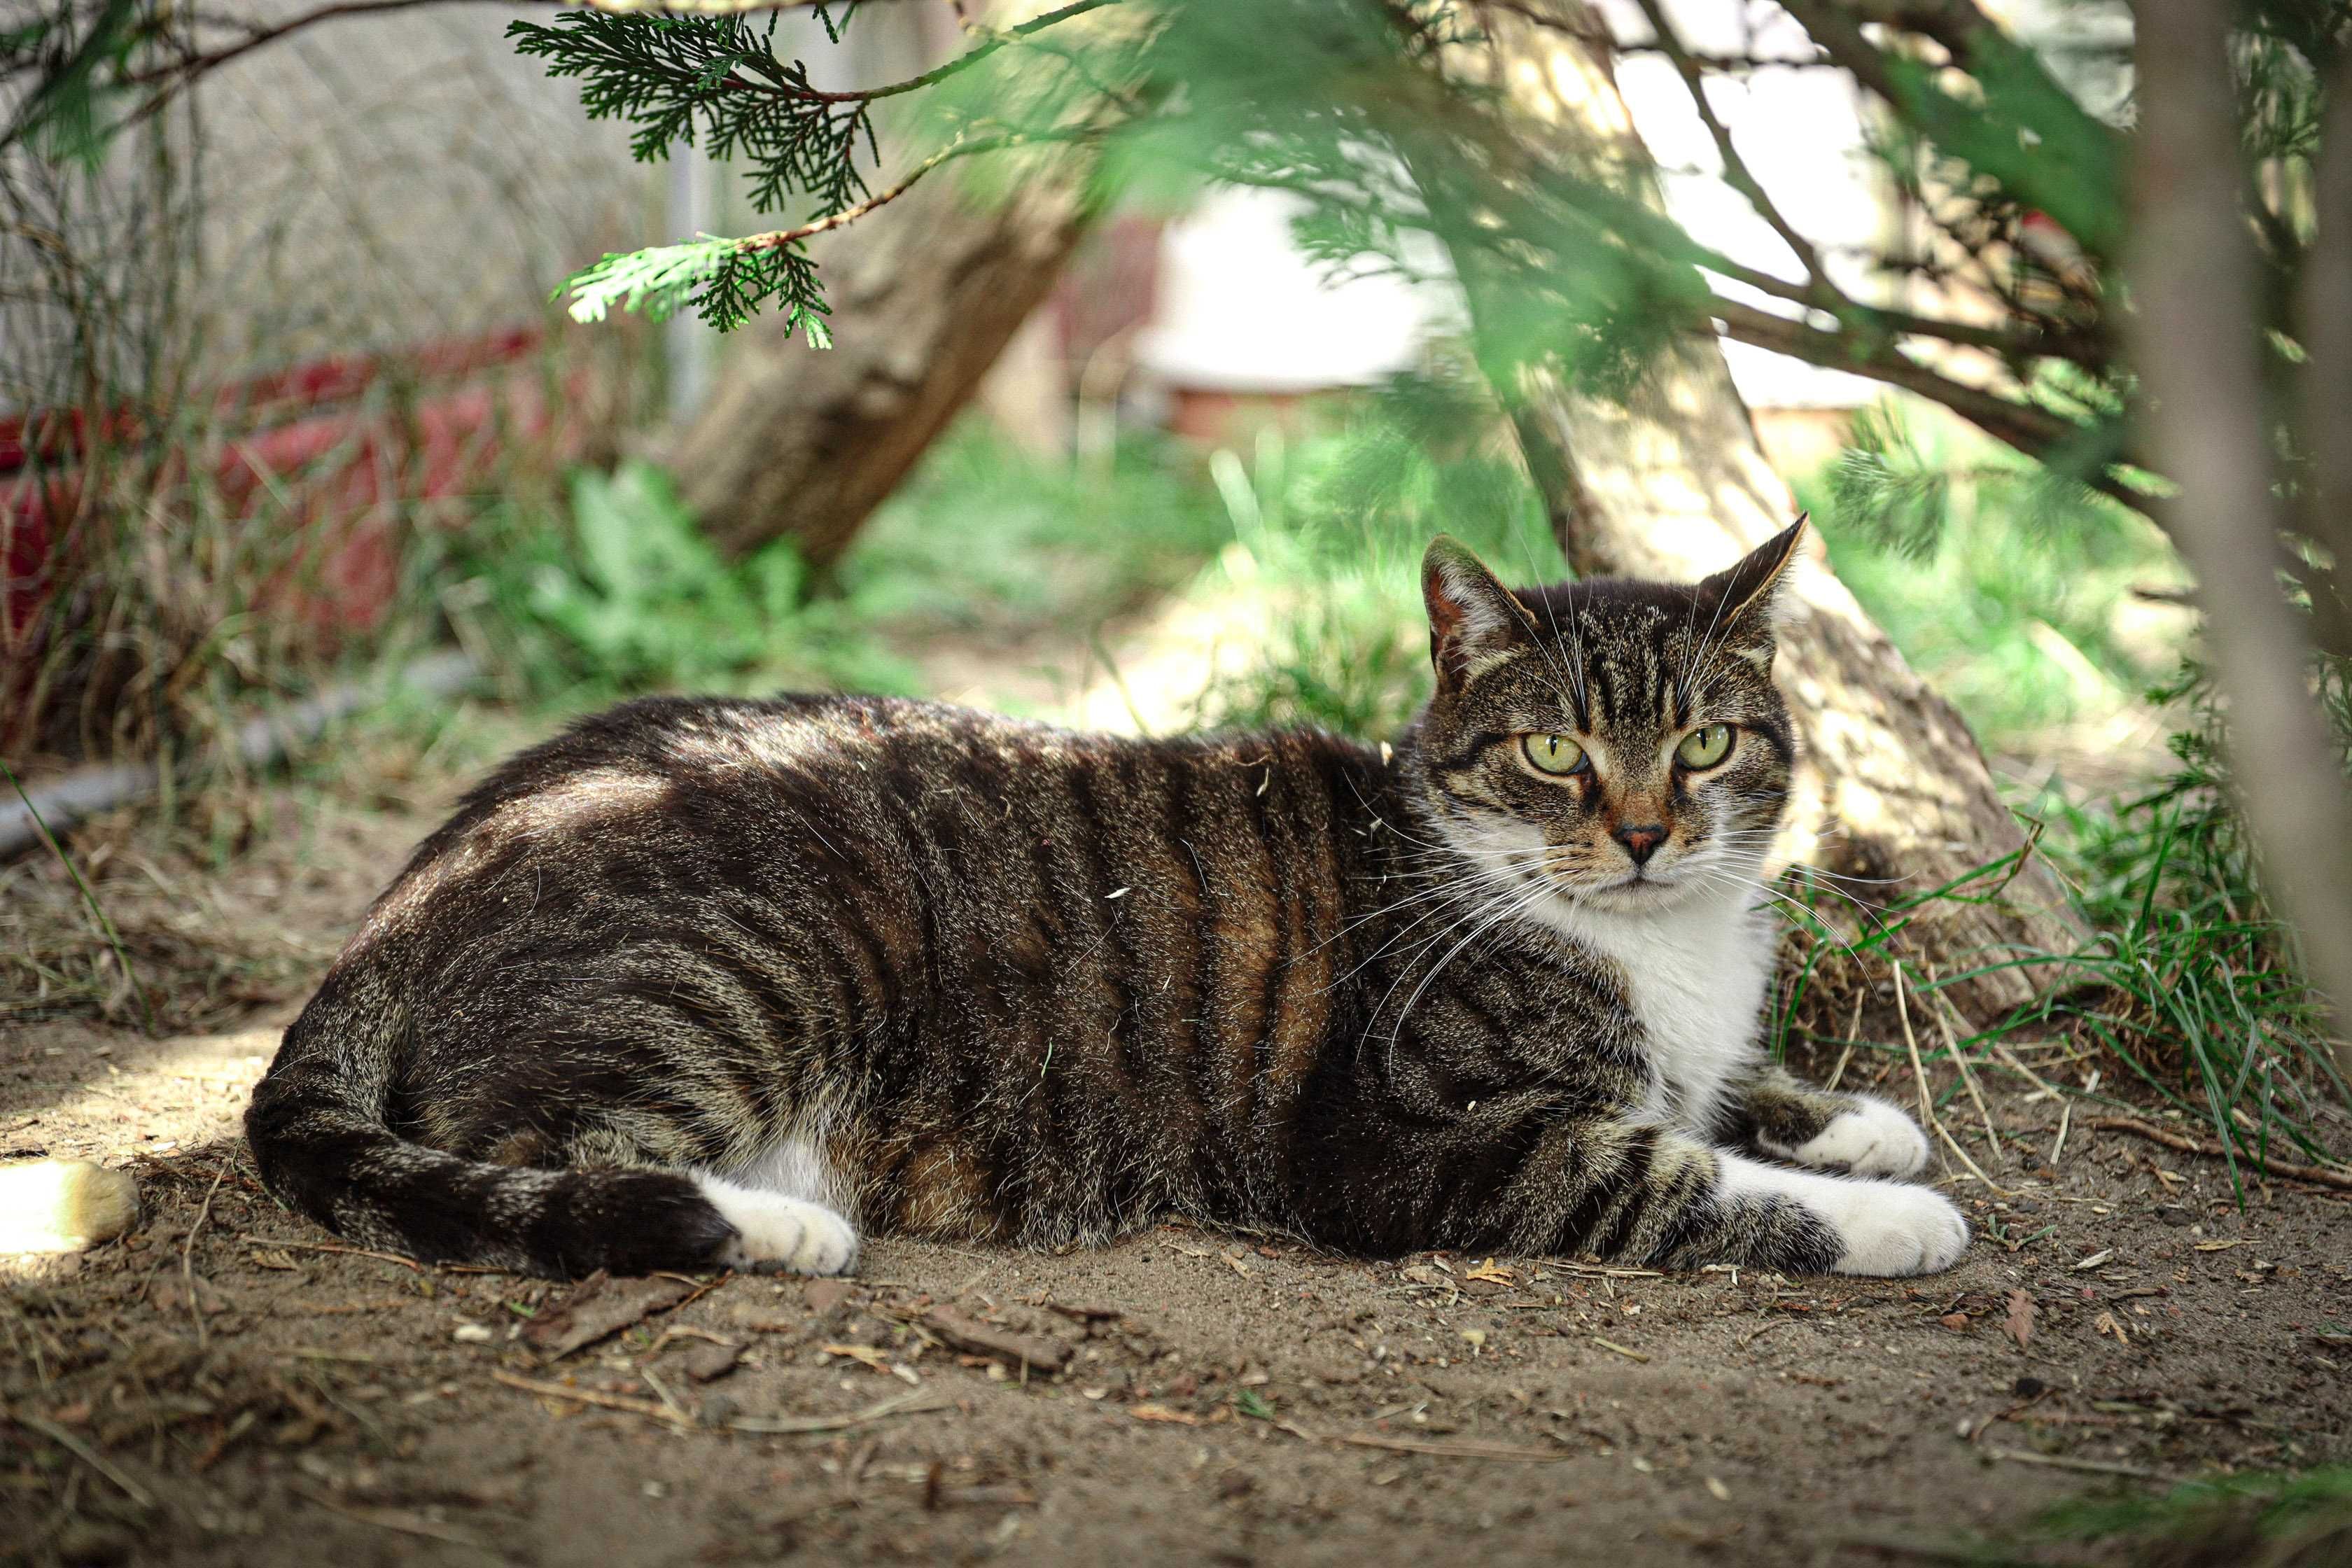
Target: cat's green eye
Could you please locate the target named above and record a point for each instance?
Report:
(1553, 753)
(1705, 747)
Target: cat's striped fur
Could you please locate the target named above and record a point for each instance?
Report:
(705, 982)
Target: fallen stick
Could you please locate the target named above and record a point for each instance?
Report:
(2062, 1462)
(399, 1519)
(1454, 1450)
(79, 1450)
(909, 1403)
(2186, 1144)
(329, 1246)
(188, 1253)
(1602, 1271)
(1025, 1350)
(649, 1408)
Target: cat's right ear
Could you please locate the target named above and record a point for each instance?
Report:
(1474, 621)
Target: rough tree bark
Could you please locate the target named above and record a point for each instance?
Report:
(925, 294)
(1670, 482)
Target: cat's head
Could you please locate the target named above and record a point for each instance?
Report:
(1618, 742)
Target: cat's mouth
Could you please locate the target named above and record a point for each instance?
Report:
(1638, 887)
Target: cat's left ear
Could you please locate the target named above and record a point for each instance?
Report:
(1740, 599)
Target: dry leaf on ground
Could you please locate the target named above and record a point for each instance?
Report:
(601, 1306)
(2019, 1324)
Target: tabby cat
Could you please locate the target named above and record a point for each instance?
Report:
(710, 984)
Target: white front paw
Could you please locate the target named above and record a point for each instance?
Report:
(1890, 1228)
(773, 1232)
(1874, 1138)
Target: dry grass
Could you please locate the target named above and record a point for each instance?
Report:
(235, 894)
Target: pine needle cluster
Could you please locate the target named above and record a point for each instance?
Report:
(713, 82)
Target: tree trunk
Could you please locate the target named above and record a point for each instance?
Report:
(2200, 351)
(924, 293)
(1669, 482)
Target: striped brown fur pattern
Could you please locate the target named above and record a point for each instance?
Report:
(714, 982)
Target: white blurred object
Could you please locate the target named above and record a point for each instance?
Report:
(64, 1205)
(1799, 133)
(1240, 310)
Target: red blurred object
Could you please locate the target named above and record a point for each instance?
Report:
(314, 439)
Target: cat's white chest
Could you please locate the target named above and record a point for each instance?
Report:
(1696, 978)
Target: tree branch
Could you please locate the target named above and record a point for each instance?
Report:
(775, 238)
(2030, 430)
(2036, 432)
(179, 75)
(1735, 167)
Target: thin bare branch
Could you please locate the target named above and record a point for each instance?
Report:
(1735, 168)
(2030, 430)
(178, 74)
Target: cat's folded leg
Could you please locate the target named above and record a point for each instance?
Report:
(1643, 1194)
(1793, 1121)
(1881, 1227)
(776, 1232)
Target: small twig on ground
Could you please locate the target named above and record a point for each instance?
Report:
(188, 1252)
(2318, 1174)
(1625, 1350)
(645, 1407)
(913, 1402)
(2009, 1060)
(398, 1520)
(678, 1413)
(1048, 1356)
(2065, 1462)
(1602, 1271)
(2065, 1120)
(330, 1247)
(81, 1451)
(701, 1290)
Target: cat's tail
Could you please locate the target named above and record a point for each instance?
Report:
(322, 1141)
(64, 1205)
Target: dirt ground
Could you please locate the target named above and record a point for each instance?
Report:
(228, 1385)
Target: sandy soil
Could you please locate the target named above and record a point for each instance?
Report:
(226, 1385)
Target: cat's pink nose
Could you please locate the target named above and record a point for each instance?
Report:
(1641, 842)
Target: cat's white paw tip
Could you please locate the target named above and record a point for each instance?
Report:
(64, 1205)
(1891, 1229)
(774, 1233)
(1874, 1138)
